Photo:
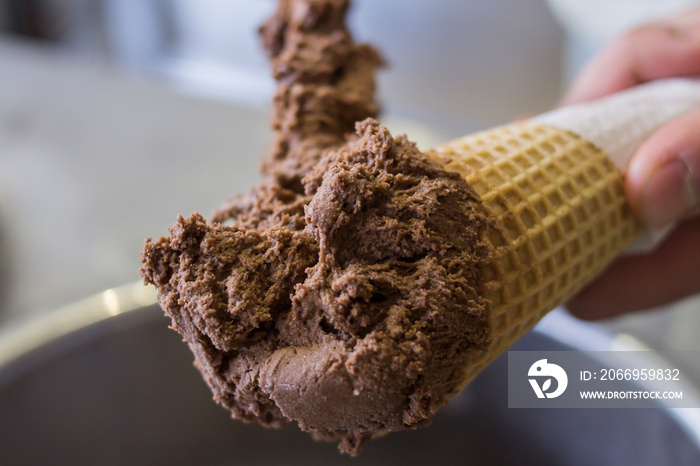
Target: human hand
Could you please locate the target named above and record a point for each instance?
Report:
(662, 178)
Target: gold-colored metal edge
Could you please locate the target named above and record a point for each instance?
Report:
(21, 338)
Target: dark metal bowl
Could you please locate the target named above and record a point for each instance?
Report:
(122, 390)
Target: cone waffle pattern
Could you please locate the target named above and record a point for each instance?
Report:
(559, 217)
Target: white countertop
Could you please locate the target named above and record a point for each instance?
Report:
(92, 162)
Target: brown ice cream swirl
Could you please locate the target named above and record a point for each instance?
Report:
(343, 292)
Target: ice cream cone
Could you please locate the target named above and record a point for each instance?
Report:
(559, 216)
(554, 191)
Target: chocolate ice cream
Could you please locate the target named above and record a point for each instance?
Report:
(342, 293)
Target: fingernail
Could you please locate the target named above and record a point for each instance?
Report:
(671, 192)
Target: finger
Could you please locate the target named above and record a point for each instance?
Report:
(687, 21)
(660, 50)
(670, 272)
(663, 177)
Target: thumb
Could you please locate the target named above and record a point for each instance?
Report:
(663, 177)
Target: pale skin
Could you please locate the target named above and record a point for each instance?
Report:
(663, 177)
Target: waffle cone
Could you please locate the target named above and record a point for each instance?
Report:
(558, 217)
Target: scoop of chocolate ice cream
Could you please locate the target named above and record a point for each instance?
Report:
(342, 293)
(359, 323)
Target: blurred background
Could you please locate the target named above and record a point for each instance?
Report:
(118, 115)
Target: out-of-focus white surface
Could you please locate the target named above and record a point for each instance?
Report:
(464, 65)
(591, 24)
(92, 162)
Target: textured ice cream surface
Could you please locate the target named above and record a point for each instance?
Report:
(343, 292)
(360, 322)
